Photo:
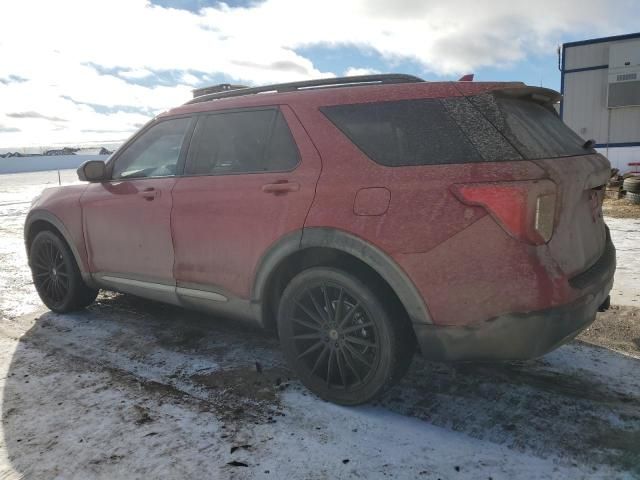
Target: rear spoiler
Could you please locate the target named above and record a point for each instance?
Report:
(543, 96)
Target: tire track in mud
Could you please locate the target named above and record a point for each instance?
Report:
(149, 350)
(239, 399)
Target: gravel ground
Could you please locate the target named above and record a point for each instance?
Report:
(617, 329)
(620, 208)
(134, 389)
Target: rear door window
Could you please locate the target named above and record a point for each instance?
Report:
(242, 142)
(407, 132)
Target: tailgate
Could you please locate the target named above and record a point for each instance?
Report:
(579, 237)
(526, 118)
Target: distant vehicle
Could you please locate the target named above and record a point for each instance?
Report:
(359, 217)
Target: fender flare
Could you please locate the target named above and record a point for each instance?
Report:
(345, 242)
(46, 216)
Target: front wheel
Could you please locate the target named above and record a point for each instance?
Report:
(56, 275)
(339, 338)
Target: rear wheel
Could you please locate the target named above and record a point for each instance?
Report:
(56, 275)
(339, 338)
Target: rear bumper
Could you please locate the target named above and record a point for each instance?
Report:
(522, 336)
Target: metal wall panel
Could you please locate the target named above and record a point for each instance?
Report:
(585, 56)
(624, 55)
(625, 125)
(620, 157)
(585, 102)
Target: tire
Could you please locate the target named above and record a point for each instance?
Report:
(632, 184)
(340, 339)
(56, 275)
(633, 198)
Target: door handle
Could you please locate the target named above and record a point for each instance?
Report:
(281, 187)
(149, 193)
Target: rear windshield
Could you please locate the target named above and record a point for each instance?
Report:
(534, 130)
(483, 128)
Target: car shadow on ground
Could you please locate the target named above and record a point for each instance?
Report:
(581, 403)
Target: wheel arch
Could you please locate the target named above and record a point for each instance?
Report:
(40, 220)
(326, 246)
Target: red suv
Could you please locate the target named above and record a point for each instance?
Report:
(357, 216)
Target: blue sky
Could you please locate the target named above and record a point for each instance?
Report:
(118, 63)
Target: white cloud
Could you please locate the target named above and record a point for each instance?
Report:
(54, 44)
(360, 71)
(136, 73)
(189, 79)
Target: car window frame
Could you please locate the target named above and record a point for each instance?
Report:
(193, 144)
(110, 164)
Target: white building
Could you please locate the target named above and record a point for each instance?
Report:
(601, 88)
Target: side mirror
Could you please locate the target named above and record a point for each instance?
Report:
(92, 171)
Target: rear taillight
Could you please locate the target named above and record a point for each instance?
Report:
(525, 210)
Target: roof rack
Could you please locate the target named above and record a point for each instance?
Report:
(354, 81)
(221, 87)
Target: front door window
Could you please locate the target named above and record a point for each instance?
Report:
(155, 153)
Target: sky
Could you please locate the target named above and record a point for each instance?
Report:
(91, 72)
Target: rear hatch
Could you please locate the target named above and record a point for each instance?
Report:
(579, 237)
(527, 119)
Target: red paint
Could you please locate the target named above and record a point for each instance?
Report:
(372, 201)
(125, 232)
(64, 204)
(222, 225)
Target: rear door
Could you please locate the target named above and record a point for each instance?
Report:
(249, 179)
(127, 219)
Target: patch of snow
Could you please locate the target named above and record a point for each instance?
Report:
(625, 233)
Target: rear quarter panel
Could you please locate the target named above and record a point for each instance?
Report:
(467, 268)
(422, 211)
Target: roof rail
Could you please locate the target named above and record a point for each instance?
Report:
(354, 81)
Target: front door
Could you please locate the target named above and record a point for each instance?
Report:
(127, 220)
(246, 184)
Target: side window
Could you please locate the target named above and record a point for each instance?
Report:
(237, 142)
(407, 132)
(155, 153)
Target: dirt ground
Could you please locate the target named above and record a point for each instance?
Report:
(134, 389)
(617, 329)
(620, 208)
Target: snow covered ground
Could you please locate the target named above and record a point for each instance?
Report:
(625, 233)
(134, 389)
(46, 163)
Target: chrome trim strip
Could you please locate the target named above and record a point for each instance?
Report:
(190, 292)
(137, 283)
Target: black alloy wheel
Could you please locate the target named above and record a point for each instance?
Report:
(331, 327)
(50, 273)
(56, 275)
(339, 338)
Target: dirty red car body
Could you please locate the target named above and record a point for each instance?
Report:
(494, 259)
